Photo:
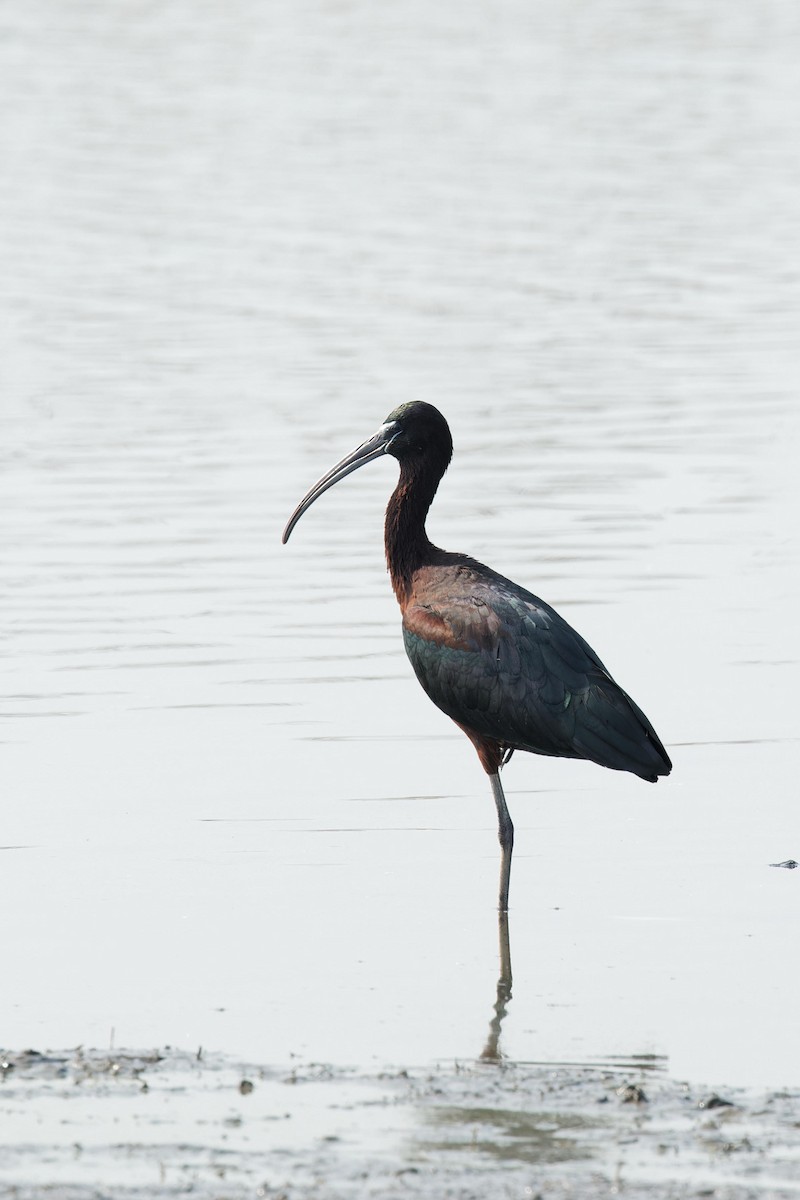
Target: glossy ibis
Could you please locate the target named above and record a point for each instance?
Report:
(502, 663)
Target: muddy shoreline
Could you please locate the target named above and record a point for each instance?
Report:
(84, 1124)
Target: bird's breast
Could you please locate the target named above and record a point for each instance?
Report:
(455, 622)
(425, 622)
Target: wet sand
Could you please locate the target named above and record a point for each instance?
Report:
(83, 1124)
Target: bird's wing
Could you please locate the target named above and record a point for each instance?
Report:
(502, 662)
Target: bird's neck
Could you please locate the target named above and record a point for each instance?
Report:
(407, 544)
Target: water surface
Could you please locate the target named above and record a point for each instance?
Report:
(232, 240)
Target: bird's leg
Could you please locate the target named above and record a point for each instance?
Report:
(492, 755)
(505, 831)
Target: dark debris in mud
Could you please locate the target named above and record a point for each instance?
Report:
(85, 1125)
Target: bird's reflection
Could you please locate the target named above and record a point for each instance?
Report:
(491, 1052)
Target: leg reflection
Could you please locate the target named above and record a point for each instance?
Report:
(491, 1051)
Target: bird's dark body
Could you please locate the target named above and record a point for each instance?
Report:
(503, 664)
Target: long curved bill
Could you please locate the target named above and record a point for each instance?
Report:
(367, 452)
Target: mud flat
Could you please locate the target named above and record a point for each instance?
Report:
(85, 1124)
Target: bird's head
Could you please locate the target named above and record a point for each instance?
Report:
(416, 434)
(418, 430)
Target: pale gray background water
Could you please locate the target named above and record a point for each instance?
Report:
(232, 238)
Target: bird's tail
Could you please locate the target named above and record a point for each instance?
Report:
(615, 733)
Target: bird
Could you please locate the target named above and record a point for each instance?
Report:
(500, 662)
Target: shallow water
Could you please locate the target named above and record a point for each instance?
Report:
(231, 242)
